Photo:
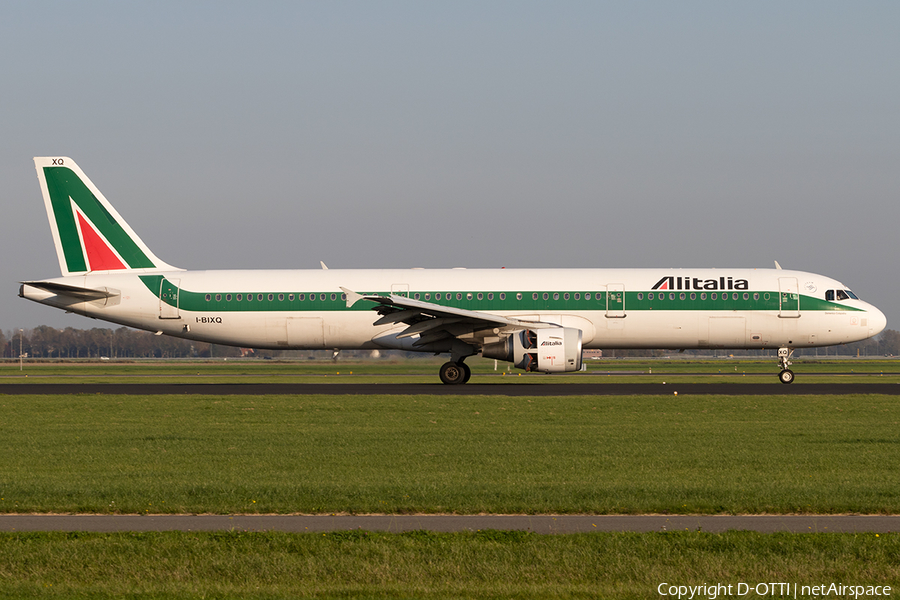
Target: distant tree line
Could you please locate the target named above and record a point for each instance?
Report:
(124, 342)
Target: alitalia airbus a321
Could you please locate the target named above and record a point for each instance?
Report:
(536, 319)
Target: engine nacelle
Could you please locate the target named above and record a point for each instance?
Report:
(552, 350)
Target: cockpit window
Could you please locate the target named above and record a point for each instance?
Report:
(852, 295)
(829, 296)
(842, 295)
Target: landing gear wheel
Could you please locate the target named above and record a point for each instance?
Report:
(786, 376)
(453, 373)
(468, 372)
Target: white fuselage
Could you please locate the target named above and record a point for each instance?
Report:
(614, 308)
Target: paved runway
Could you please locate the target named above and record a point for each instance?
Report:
(471, 389)
(448, 523)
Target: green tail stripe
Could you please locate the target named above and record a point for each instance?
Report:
(62, 184)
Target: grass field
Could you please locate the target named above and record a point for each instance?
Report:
(425, 369)
(462, 454)
(465, 454)
(486, 564)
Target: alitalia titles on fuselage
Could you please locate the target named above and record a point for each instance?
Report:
(695, 283)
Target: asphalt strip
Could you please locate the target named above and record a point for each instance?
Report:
(547, 524)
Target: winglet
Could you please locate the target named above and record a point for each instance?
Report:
(352, 297)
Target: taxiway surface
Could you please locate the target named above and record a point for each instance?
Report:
(451, 523)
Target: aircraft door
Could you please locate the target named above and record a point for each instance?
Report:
(615, 301)
(788, 297)
(168, 299)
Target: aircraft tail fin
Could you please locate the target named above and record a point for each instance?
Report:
(88, 232)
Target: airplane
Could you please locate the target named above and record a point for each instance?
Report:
(536, 319)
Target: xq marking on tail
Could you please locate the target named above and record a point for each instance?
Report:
(537, 319)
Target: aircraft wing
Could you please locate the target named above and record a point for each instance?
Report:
(433, 322)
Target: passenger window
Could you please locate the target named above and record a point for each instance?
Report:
(693, 296)
(746, 296)
(734, 296)
(459, 296)
(756, 296)
(208, 297)
(577, 296)
(714, 296)
(556, 296)
(281, 297)
(321, 297)
(640, 296)
(240, 297)
(502, 295)
(703, 295)
(228, 297)
(829, 295)
(546, 296)
(480, 296)
(490, 296)
(650, 296)
(566, 296)
(671, 296)
(259, 297)
(587, 296)
(301, 297)
(416, 296)
(271, 297)
(534, 296)
(437, 296)
(681, 296)
(290, 297)
(218, 297)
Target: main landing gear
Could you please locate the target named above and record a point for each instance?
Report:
(784, 361)
(453, 373)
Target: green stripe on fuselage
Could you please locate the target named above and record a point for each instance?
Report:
(725, 301)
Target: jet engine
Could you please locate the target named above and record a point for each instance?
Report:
(552, 350)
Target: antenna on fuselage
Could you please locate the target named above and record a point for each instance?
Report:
(777, 266)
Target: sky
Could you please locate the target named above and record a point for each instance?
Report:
(476, 134)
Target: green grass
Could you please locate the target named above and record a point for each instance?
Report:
(425, 370)
(462, 454)
(487, 564)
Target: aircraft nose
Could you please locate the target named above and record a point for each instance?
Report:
(877, 321)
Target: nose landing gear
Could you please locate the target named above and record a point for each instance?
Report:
(784, 361)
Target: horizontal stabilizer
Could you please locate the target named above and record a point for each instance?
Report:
(62, 289)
